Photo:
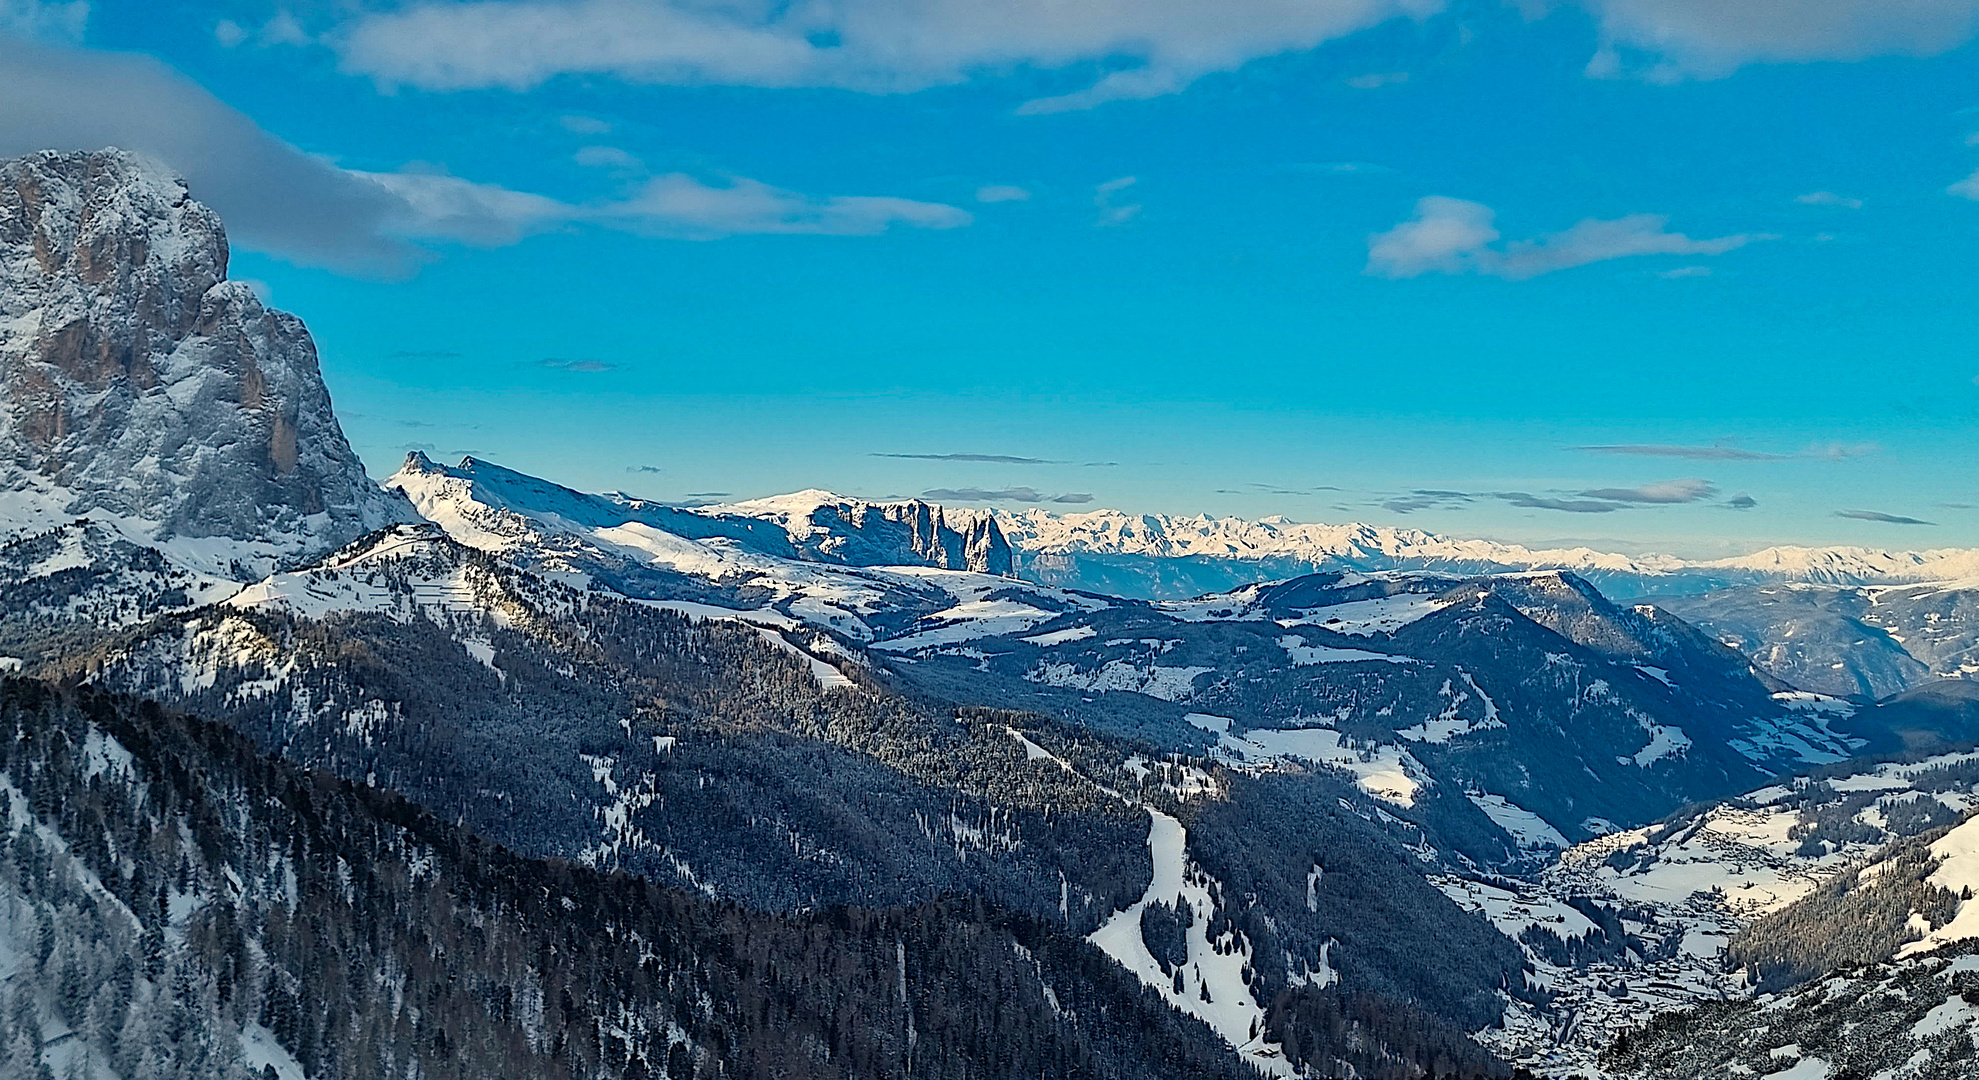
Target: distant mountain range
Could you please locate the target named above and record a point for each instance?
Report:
(1853, 622)
(1164, 557)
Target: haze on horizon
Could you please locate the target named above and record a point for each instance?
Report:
(1530, 271)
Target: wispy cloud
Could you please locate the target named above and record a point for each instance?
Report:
(1671, 40)
(607, 157)
(1340, 168)
(1001, 193)
(644, 469)
(1426, 499)
(424, 354)
(61, 20)
(1570, 506)
(1601, 500)
(587, 367)
(1877, 515)
(1011, 494)
(1695, 453)
(1666, 492)
(997, 459)
(863, 45)
(682, 206)
(1967, 188)
(1833, 451)
(1828, 198)
(1456, 236)
(1378, 79)
(1110, 211)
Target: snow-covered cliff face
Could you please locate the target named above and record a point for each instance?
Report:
(137, 383)
(834, 528)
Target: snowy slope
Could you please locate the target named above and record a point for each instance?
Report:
(798, 557)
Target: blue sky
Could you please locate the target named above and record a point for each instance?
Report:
(1662, 273)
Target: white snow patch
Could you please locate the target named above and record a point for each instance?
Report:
(262, 1052)
(1954, 1013)
(1060, 637)
(1231, 1011)
(1364, 618)
(1663, 742)
(1526, 828)
(1959, 871)
(1810, 1068)
(1303, 654)
(1385, 772)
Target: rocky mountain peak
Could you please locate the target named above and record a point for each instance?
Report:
(137, 382)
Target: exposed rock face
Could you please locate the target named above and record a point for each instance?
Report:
(137, 381)
(876, 534)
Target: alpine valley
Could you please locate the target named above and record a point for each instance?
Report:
(469, 774)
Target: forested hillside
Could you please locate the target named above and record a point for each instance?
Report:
(169, 890)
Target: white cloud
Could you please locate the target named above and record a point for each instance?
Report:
(1967, 188)
(584, 125)
(1668, 40)
(1456, 236)
(1111, 212)
(997, 193)
(1446, 236)
(1684, 272)
(277, 198)
(1664, 493)
(606, 157)
(59, 20)
(868, 45)
(1828, 198)
(1593, 241)
(283, 29)
(679, 205)
(435, 206)
(442, 207)
(1377, 80)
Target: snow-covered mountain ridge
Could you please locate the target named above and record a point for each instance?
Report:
(1047, 542)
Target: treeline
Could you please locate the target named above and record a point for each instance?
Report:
(186, 887)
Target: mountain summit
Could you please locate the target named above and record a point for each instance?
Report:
(138, 384)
